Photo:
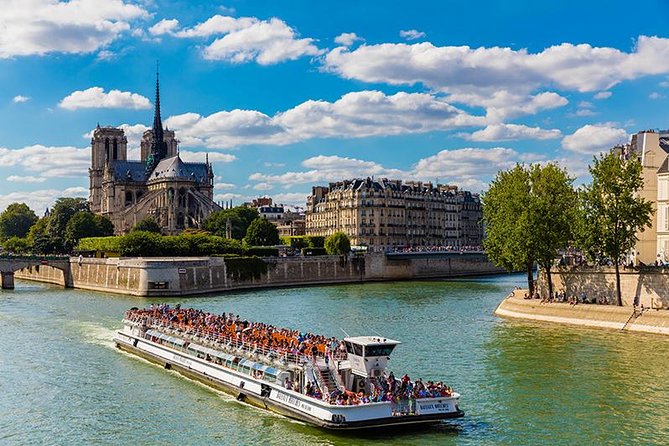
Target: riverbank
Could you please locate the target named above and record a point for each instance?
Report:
(149, 277)
(589, 315)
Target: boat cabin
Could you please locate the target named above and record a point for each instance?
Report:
(368, 355)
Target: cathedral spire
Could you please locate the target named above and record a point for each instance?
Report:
(158, 146)
(157, 122)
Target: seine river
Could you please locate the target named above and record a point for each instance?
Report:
(62, 381)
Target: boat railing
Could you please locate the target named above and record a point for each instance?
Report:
(242, 345)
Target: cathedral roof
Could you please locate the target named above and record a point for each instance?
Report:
(174, 167)
(129, 170)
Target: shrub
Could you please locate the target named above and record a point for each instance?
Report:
(245, 268)
(338, 244)
(141, 243)
(103, 244)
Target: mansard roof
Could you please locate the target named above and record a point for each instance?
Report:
(174, 167)
(664, 168)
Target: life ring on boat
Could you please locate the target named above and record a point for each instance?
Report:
(359, 383)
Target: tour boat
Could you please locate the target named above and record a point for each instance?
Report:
(342, 385)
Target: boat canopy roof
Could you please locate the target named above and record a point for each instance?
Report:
(371, 340)
(165, 337)
(242, 362)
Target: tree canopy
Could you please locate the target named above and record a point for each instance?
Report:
(16, 220)
(86, 224)
(612, 212)
(528, 215)
(262, 232)
(240, 218)
(147, 225)
(507, 221)
(338, 244)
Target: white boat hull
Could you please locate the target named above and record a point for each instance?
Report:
(273, 397)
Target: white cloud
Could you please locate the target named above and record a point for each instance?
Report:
(18, 99)
(25, 179)
(354, 115)
(411, 34)
(510, 132)
(603, 95)
(48, 162)
(347, 39)
(585, 112)
(298, 199)
(327, 168)
(502, 104)
(244, 39)
(199, 157)
(592, 139)
(484, 71)
(655, 95)
(95, 97)
(106, 55)
(470, 168)
(37, 27)
(263, 186)
(165, 26)
(39, 200)
(224, 186)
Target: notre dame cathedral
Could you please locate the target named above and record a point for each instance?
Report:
(176, 194)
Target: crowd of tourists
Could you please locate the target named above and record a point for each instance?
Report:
(436, 248)
(392, 389)
(226, 327)
(562, 297)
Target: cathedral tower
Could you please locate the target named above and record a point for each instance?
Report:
(108, 145)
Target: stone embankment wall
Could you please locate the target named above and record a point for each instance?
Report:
(590, 315)
(185, 276)
(651, 284)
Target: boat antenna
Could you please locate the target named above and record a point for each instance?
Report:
(347, 335)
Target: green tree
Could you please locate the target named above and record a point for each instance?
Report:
(42, 242)
(611, 211)
(16, 220)
(16, 245)
(262, 232)
(62, 211)
(147, 225)
(508, 221)
(141, 244)
(338, 244)
(240, 219)
(86, 224)
(553, 204)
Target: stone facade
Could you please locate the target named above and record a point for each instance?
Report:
(160, 185)
(384, 213)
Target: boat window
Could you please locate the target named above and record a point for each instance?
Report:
(349, 348)
(379, 350)
(357, 349)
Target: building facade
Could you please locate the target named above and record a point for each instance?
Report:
(289, 222)
(160, 185)
(387, 214)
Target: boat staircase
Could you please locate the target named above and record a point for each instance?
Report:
(326, 378)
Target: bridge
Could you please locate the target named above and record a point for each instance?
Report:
(10, 264)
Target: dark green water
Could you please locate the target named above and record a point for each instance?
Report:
(62, 382)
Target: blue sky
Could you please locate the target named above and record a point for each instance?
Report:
(287, 95)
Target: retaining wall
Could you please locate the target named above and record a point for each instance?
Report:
(651, 284)
(185, 276)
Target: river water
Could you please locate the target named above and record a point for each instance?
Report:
(62, 381)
